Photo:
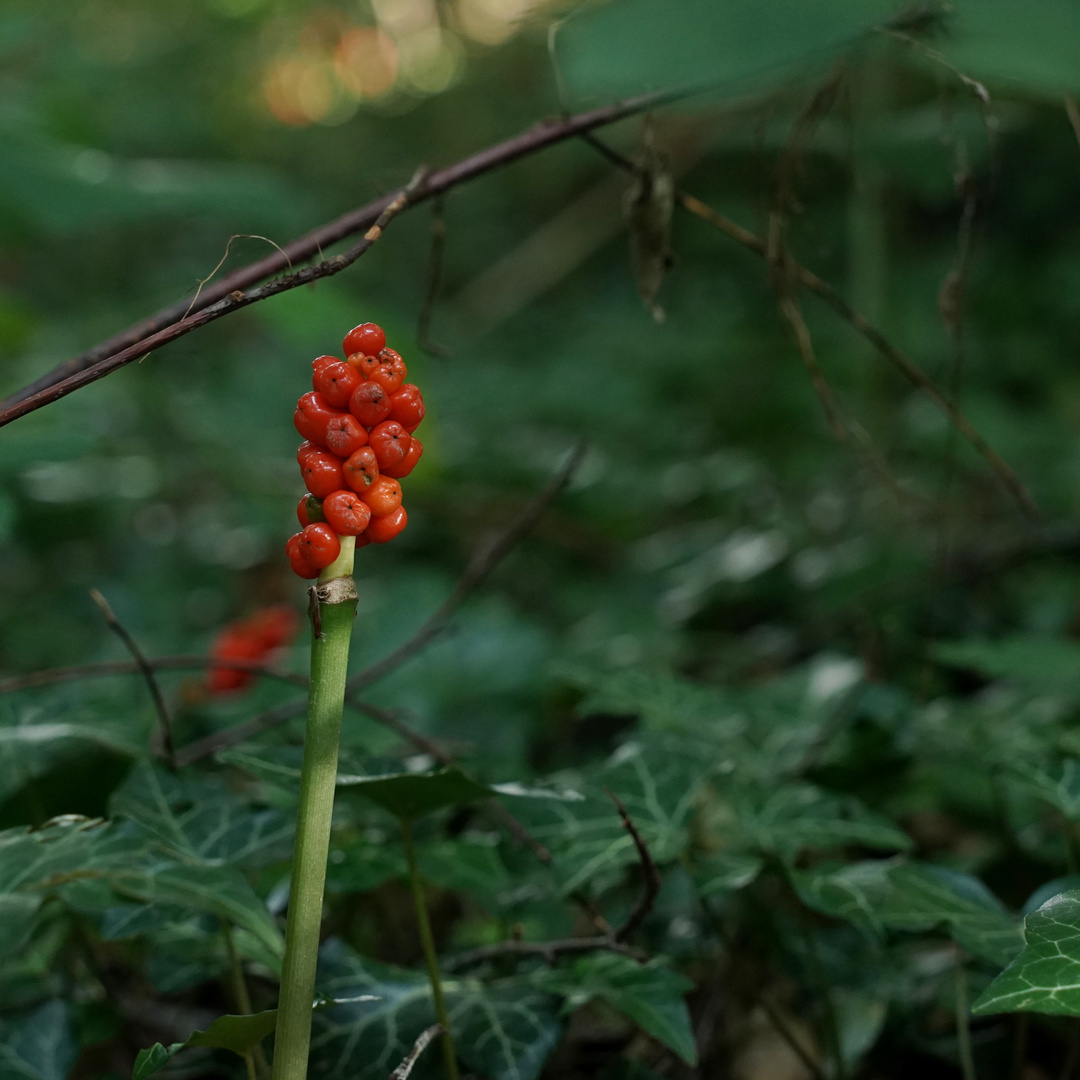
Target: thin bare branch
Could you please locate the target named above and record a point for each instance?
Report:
(421, 1044)
(147, 670)
(221, 298)
(651, 876)
(822, 289)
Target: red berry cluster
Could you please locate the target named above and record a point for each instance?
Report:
(358, 425)
(255, 638)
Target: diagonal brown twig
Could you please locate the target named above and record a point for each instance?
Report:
(233, 302)
(822, 289)
(147, 671)
(651, 875)
(219, 299)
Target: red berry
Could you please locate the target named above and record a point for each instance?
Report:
(233, 643)
(366, 338)
(336, 382)
(384, 496)
(370, 403)
(309, 510)
(346, 514)
(406, 466)
(361, 470)
(390, 441)
(364, 364)
(362, 540)
(322, 473)
(319, 545)
(386, 528)
(305, 449)
(301, 567)
(345, 435)
(322, 361)
(312, 415)
(390, 372)
(407, 407)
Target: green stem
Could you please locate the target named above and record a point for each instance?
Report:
(427, 941)
(254, 1060)
(329, 664)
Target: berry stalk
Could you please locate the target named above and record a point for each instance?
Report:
(336, 599)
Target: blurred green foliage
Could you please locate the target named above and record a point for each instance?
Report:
(834, 683)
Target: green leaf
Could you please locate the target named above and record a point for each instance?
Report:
(1057, 785)
(1045, 977)
(18, 913)
(1044, 662)
(504, 1029)
(625, 47)
(657, 779)
(876, 896)
(221, 890)
(726, 872)
(412, 795)
(38, 1045)
(786, 820)
(1018, 45)
(200, 817)
(650, 994)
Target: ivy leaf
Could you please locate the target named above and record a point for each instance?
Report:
(1045, 977)
(881, 895)
(504, 1030)
(199, 817)
(652, 995)
(1059, 786)
(658, 785)
(221, 890)
(240, 1034)
(796, 816)
(727, 872)
(38, 1045)
(412, 795)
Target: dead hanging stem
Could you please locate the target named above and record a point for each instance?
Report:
(421, 1044)
(614, 940)
(808, 280)
(781, 264)
(147, 670)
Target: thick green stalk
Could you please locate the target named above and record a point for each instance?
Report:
(334, 613)
(427, 942)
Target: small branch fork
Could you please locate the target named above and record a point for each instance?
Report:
(147, 670)
(613, 941)
(228, 294)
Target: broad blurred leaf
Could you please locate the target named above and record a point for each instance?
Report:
(38, 1045)
(1022, 47)
(632, 45)
(1059, 785)
(652, 995)
(1043, 663)
(504, 1029)
(1045, 977)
